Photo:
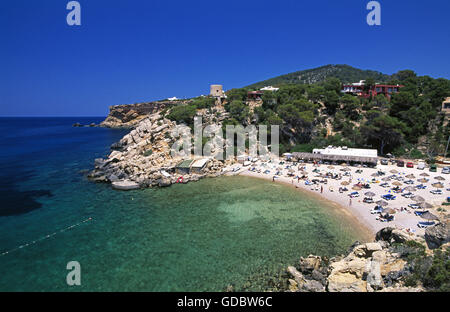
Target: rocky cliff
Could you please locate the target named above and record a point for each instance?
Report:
(397, 261)
(128, 116)
(143, 158)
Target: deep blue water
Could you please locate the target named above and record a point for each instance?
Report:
(37, 154)
(200, 236)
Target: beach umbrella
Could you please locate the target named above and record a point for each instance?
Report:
(344, 164)
(410, 189)
(393, 171)
(369, 194)
(345, 183)
(418, 198)
(374, 174)
(396, 183)
(425, 205)
(388, 210)
(429, 216)
(439, 178)
(347, 169)
(291, 170)
(423, 180)
(424, 174)
(438, 185)
(382, 203)
(356, 188)
(410, 176)
(330, 167)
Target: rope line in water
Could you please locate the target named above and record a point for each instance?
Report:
(45, 237)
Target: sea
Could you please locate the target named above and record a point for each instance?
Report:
(216, 234)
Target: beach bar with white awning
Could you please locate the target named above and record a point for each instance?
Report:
(341, 154)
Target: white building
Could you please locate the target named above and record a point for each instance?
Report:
(173, 98)
(344, 151)
(269, 88)
(198, 165)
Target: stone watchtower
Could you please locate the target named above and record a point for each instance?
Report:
(216, 91)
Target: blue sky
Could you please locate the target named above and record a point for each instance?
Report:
(142, 50)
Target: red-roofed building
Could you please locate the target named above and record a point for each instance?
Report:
(359, 90)
(254, 95)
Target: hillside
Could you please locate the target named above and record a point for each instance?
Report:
(344, 73)
(312, 112)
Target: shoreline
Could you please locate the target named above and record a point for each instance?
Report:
(362, 228)
(358, 211)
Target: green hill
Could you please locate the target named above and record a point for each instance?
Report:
(345, 73)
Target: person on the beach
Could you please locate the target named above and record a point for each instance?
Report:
(350, 202)
(321, 189)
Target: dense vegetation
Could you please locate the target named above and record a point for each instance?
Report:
(345, 73)
(433, 272)
(186, 113)
(319, 114)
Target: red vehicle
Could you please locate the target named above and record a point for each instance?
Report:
(409, 165)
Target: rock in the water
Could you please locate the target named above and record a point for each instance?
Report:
(113, 178)
(100, 179)
(298, 277)
(164, 182)
(125, 185)
(310, 263)
(299, 283)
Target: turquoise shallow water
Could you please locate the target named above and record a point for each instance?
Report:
(200, 236)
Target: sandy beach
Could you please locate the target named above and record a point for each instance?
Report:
(404, 216)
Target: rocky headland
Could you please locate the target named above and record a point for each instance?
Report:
(143, 158)
(129, 115)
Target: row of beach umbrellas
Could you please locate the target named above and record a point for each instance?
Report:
(418, 199)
